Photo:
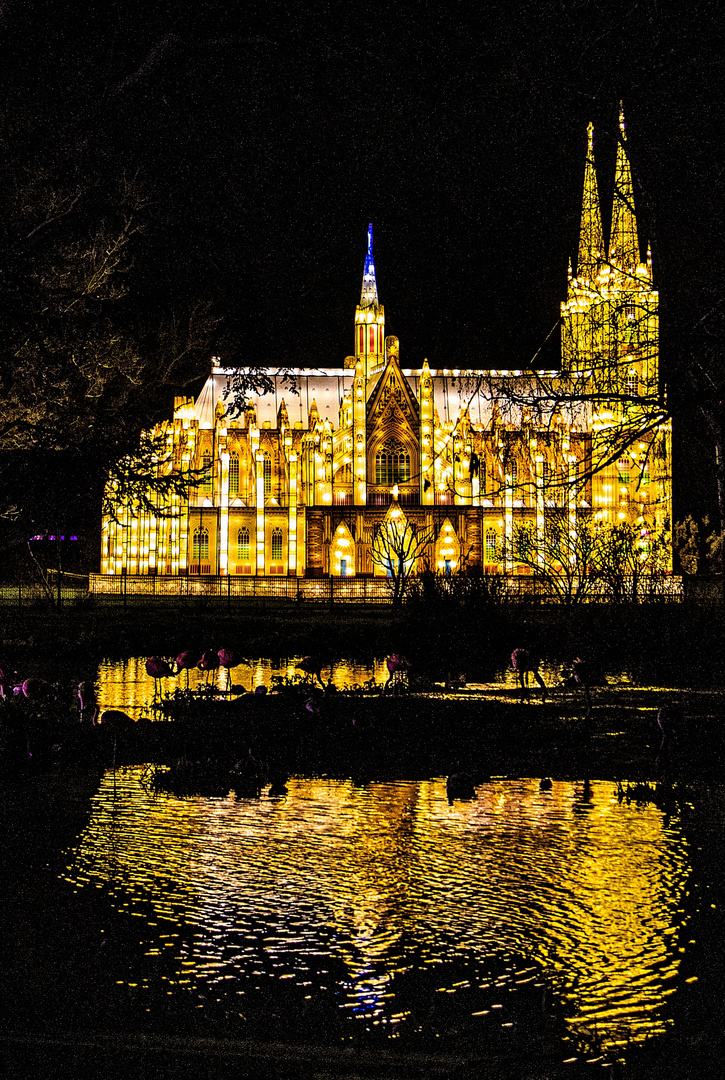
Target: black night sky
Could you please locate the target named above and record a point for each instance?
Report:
(269, 134)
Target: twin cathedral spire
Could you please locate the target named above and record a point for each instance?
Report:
(596, 267)
(623, 255)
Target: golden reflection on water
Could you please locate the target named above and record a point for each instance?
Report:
(380, 881)
(124, 684)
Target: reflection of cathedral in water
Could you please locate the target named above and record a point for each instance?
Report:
(309, 473)
(564, 888)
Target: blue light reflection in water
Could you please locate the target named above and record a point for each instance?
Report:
(383, 908)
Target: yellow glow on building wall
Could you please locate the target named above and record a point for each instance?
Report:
(340, 439)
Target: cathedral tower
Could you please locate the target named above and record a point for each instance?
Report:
(610, 356)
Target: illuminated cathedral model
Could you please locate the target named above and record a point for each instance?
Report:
(300, 480)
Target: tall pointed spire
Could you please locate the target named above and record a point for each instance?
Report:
(591, 244)
(369, 320)
(623, 242)
(369, 294)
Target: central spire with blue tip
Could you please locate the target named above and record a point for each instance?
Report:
(369, 294)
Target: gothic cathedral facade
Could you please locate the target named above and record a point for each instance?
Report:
(301, 477)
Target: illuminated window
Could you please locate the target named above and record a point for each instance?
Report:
(514, 472)
(276, 552)
(206, 481)
(491, 545)
(362, 339)
(234, 475)
(372, 339)
(243, 545)
(267, 474)
(392, 467)
(645, 474)
(632, 384)
(200, 545)
(623, 470)
(630, 312)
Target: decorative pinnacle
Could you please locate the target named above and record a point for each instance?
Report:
(369, 294)
(590, 138)
(622, 125)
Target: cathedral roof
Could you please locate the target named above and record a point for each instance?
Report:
(453, 391)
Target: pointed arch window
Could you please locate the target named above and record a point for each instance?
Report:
(243, 544)
(491, 545)
(200, 545)
(234, 474)
(392, 466)
(276, 548)
(206, 478)
(267, 474)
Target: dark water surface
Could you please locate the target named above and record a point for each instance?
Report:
(556, 919)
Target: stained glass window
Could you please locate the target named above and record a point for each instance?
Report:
(392, 467)
(200, 545)
(234, 475)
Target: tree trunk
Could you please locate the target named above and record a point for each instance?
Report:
(720, 481)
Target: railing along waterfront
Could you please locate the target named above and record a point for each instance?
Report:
(370, 590)
(295, 589)
(486, 589)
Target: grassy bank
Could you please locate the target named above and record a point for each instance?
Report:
(377, 737)
(671, 644)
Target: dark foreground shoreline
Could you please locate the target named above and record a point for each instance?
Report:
(55, 951)
(52, 948)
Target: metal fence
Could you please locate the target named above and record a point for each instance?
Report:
(489, 589)
(27, 595)
(315, 590)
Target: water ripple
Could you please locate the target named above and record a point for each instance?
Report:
(384, 904)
